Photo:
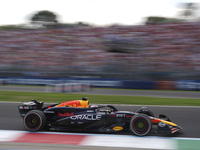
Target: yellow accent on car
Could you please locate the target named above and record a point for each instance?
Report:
(169, 123)
(140, 125)
(33, 121)
(118, 128)
(84, 103)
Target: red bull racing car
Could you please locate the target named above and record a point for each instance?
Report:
(78, 115)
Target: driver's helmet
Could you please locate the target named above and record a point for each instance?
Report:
(95, 106)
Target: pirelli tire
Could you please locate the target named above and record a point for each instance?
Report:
(140, 124)
(34, 120)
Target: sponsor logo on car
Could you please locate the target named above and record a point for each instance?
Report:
(161, 124)
(25, 107)
(90, 110)
(86, 117)
(117, 128)
(49, 112)
(66, 114)
(120, 115)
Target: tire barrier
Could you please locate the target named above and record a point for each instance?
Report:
(67, 87)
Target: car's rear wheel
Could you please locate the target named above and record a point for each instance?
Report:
(140, 124)
(34, 120)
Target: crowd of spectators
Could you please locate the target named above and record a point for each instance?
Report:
(125, 50)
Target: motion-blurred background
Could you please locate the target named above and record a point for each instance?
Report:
(158, 42)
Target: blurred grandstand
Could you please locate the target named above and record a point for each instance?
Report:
(148, 52)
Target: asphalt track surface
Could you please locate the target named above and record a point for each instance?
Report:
(187, 117)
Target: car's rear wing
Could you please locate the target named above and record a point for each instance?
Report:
(30, 105)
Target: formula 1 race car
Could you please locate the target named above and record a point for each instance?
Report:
(78, 115)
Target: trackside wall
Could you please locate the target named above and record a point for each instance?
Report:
(193, 85)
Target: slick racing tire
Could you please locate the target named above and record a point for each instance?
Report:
(140, 124)
(34, 120)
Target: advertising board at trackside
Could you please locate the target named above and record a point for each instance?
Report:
(191, 85)
(94, 82)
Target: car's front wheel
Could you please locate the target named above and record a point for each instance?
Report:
(34, 120)
(140, 124)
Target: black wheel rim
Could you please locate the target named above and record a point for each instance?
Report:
(140, 125)
(32, 121)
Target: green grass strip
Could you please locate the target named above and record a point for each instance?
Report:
(188, 144)
(11, 96)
